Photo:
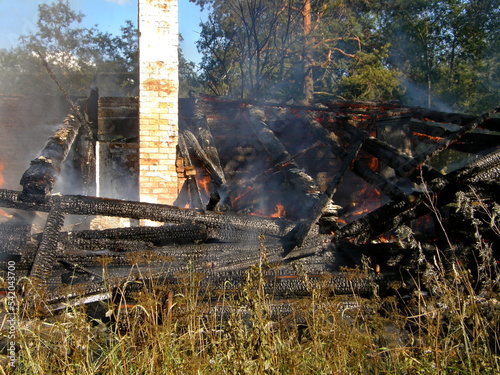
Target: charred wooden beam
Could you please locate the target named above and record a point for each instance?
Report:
(216, 173)
(491, 160)
(295, 175)
(82, 205)
(158, 236)
(363, 171)
(383, 184)
(445, 143)
(202, 132)
(380, 220)
(472, 142)
(193, 189)
(47, 250)
(403, 165)
(276, 167)
(304, 228)
(442, 190)
(40, 177)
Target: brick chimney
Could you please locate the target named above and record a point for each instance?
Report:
(158, 100)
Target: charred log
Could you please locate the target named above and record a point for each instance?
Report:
(370, 176)
(295, 175)
(206, 141)
(193, 189)
(158, 236)
(47, 251)
(81, 205)
(304, 228)
(41, 176)
(447, 141)
(216, 173)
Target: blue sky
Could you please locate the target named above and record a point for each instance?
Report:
(19, 17)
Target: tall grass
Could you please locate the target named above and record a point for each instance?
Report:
(448, 323)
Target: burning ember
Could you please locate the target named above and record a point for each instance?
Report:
(434, 139)
(204, 183)
(280, 211)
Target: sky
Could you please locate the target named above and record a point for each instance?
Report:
(18, 17)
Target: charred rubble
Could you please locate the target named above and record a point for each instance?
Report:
(306, 192)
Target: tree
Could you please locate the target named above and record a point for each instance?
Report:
(444, 48)
(80, 57)
(289, 49)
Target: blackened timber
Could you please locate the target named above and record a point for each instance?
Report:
(295, 175)
(414, 205)
(193, 189)
(82, 205)
(402, 164)
(304, 228)
(40, 177)
(473, 142)
(156, 235)
(205, 138)
(363, 171)
(445, 143)
(216, 174)
(383, 184)
(48, 249)
(486, 162)
(278, 166)
(373, 221)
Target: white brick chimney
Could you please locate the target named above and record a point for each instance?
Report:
(158, 100)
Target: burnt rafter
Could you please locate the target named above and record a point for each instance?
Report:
(296, 176)
(43, 172)
(440, 190)
(83, 205)
(336, 174)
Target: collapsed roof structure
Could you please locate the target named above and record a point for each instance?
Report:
(305, 192)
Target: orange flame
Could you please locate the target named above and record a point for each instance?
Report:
(360, 212)
(373, 164)
(280, 211)
(435, 139)
(387, 239)
(203, 183)
(1, 177)
(2, 212)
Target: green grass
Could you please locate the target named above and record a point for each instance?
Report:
(451, 330)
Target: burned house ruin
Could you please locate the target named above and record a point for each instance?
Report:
(163, 187)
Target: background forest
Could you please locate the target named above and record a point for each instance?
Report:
(442, 54)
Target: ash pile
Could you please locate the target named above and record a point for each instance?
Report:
(305, 193)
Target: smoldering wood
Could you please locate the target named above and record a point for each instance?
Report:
(202, 132)
(295, 175)
(304, 228)
(41, 176)
(384, 185)
(47, 250)
(445, 143)
(403, 165)
(473, 142)
(158, 236)
(414, 205)
(193, 189)
(363, 171)
(82, 205)
(227, 246)
(216, 174)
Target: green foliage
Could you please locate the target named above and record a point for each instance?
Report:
(80, 57)
(431, 53)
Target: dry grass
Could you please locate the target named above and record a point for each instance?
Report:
(448, 324)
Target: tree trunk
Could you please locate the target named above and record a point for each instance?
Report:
(307, 58)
